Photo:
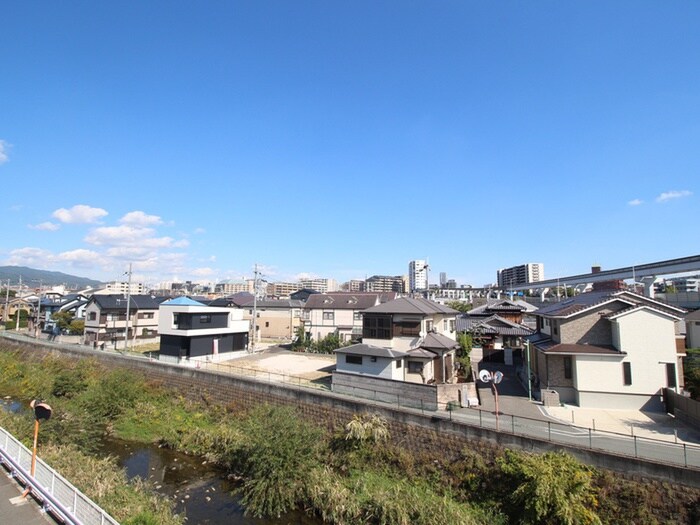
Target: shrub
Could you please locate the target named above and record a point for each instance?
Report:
(277, 459)
(552, 488)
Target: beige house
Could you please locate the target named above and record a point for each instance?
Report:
(613, 349)
(692, 328)
(339, 312)
(15, 304)
(275, 318)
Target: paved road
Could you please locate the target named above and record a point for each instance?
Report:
(27, 513)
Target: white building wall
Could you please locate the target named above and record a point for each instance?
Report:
(692, 334)
(649, 342)
(381, 367)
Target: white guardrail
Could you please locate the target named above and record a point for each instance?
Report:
(57, 495)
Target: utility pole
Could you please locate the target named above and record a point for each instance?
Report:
(17, 311)
(38, 311)
(255, 307)
(128, 304)
(7, 302)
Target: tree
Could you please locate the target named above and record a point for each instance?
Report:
(326, 345)
(460, 306)
(62, 320)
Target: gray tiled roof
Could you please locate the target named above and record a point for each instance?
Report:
(376, 351)
(693, 316)
(342, 301)
(438, 342)
(119, 301)
(409, 305)
(491, 325)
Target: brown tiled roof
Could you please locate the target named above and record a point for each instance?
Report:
(693, 316)
(574, 349)
(612, 315)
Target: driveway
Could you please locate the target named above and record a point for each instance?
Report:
(513, 400)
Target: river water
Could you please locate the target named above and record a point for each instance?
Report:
(198, 489)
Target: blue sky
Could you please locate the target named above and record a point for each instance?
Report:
(343, 139)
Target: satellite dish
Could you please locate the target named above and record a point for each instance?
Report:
(497, 377)
(485, 376)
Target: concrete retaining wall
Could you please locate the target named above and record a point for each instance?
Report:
(430, 432)
(399, 393)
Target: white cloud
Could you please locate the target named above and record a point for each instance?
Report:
(79, 214)
(4, 148)
(45, 226)
(203, 272)
(79, 258)
(139, 218)
(669, 195)
(34, 257)
(636, 202)
(118, 235)
(199, 231)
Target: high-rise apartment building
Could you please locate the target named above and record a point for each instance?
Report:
(385, 283)
(320, 285)
(417, 275)
(443, 279)
(523, 274)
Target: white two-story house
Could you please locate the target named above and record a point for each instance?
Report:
(106, 320)
(613, 349)
(192, 331)
(406, 339)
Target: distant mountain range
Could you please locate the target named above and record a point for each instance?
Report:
(32, 277)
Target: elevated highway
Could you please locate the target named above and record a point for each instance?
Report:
(644, 273)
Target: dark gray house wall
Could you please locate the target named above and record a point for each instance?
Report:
(183, 347)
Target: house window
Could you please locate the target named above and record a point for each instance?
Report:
(376, 327)
(567, 367)
(429, 325)
(357, 316)
(671, 375)
(555, 328)
(205, 319)
(407, 329)
(398, 363)
(93, 316)
(329, 316)
(353, 359)
(373, 359)
(146, 315)
(415, 367)
(445, 326)
(176, 320)
(267, 324)
(627, 373)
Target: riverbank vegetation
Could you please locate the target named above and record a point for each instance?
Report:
(359, 473)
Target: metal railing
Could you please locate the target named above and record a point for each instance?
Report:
(58, 496)
(676, 453)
